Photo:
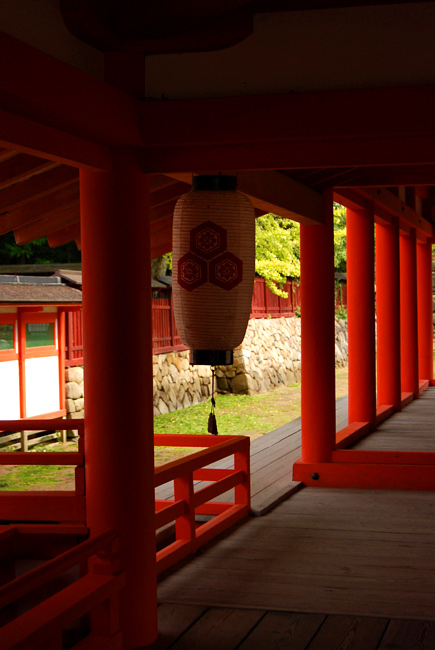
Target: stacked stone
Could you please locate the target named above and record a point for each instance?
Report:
(177, 384)
(341, 345)
(270, 355)
(74, 392)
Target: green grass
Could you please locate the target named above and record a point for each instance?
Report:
(251, 415)
(32, 477)
(235, 414)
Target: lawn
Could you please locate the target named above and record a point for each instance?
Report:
(251, 415)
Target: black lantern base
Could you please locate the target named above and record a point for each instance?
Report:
(211, 357)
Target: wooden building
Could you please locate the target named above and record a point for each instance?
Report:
(106, 110)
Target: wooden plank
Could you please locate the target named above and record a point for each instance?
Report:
(42, 506)
(219, 628)
(284, 630)
(57, 612)
(403, 635)
(174, 620)
(360, 633)
(344, 552)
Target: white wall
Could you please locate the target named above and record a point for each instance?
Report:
(9, 391)
(42, 385)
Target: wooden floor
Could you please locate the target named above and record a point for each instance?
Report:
(326, 569)
(194, 627)
(272, 458)
(413, 429)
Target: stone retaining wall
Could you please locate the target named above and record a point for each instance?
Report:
(269, 356)
(74, 392)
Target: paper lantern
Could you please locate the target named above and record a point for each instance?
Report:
(213, 266)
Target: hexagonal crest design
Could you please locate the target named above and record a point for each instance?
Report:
(226, 271)
(208, 240)
(192, 271)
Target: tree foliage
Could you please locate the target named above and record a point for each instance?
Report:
(278, 249)
(37, 252)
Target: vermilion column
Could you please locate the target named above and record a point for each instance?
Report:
(388, 315)
(118, 376)
(361, 315)
(425, 316)
(318, 338)
(408, 314)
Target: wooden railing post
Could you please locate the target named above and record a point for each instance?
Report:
(185, 525)
(242, 492)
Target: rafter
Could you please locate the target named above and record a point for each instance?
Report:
(42, 207)
(162, 211)
(386, 207)
(58, 220)
(31, 137)
(37, 186)
(20, 167)
(64, 236)
(272, 191)
(169, 193)
(390, 176)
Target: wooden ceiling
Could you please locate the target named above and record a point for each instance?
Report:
(42, 198)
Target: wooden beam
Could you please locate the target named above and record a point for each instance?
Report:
(159, 181)
(52, 93)
(162, 211)
(38, 186)
(334, 152)
(58, 220)
(169, 193)
(273, 191)
(64, 236)
(20, 167)
(390, 176)
(291, 117)
(31, 137)
(386, 205)
(164, 224)
(42, 207)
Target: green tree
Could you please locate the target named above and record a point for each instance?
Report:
(277, 254)
(37, 252)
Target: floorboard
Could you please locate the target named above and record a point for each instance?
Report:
(324, 551)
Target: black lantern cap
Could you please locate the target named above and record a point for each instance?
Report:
(211, 357)
(214, 183)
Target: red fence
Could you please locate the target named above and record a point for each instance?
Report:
(74, 338)
(265, 304)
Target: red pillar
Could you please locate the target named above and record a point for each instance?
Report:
(388, 315)
(425, 317)
(118, 376)
(408, 314)
(318, 338)
(361, 315)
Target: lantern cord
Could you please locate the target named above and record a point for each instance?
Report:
(212, 424)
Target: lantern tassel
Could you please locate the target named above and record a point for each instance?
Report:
(212, 424)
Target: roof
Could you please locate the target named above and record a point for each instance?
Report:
(30, 289)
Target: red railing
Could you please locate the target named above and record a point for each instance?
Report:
(265, 304)
(196, 486)
(190, 499)
(268, 304)
(96, 594)
(45, 505)
(165, 335)
(74, 338)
